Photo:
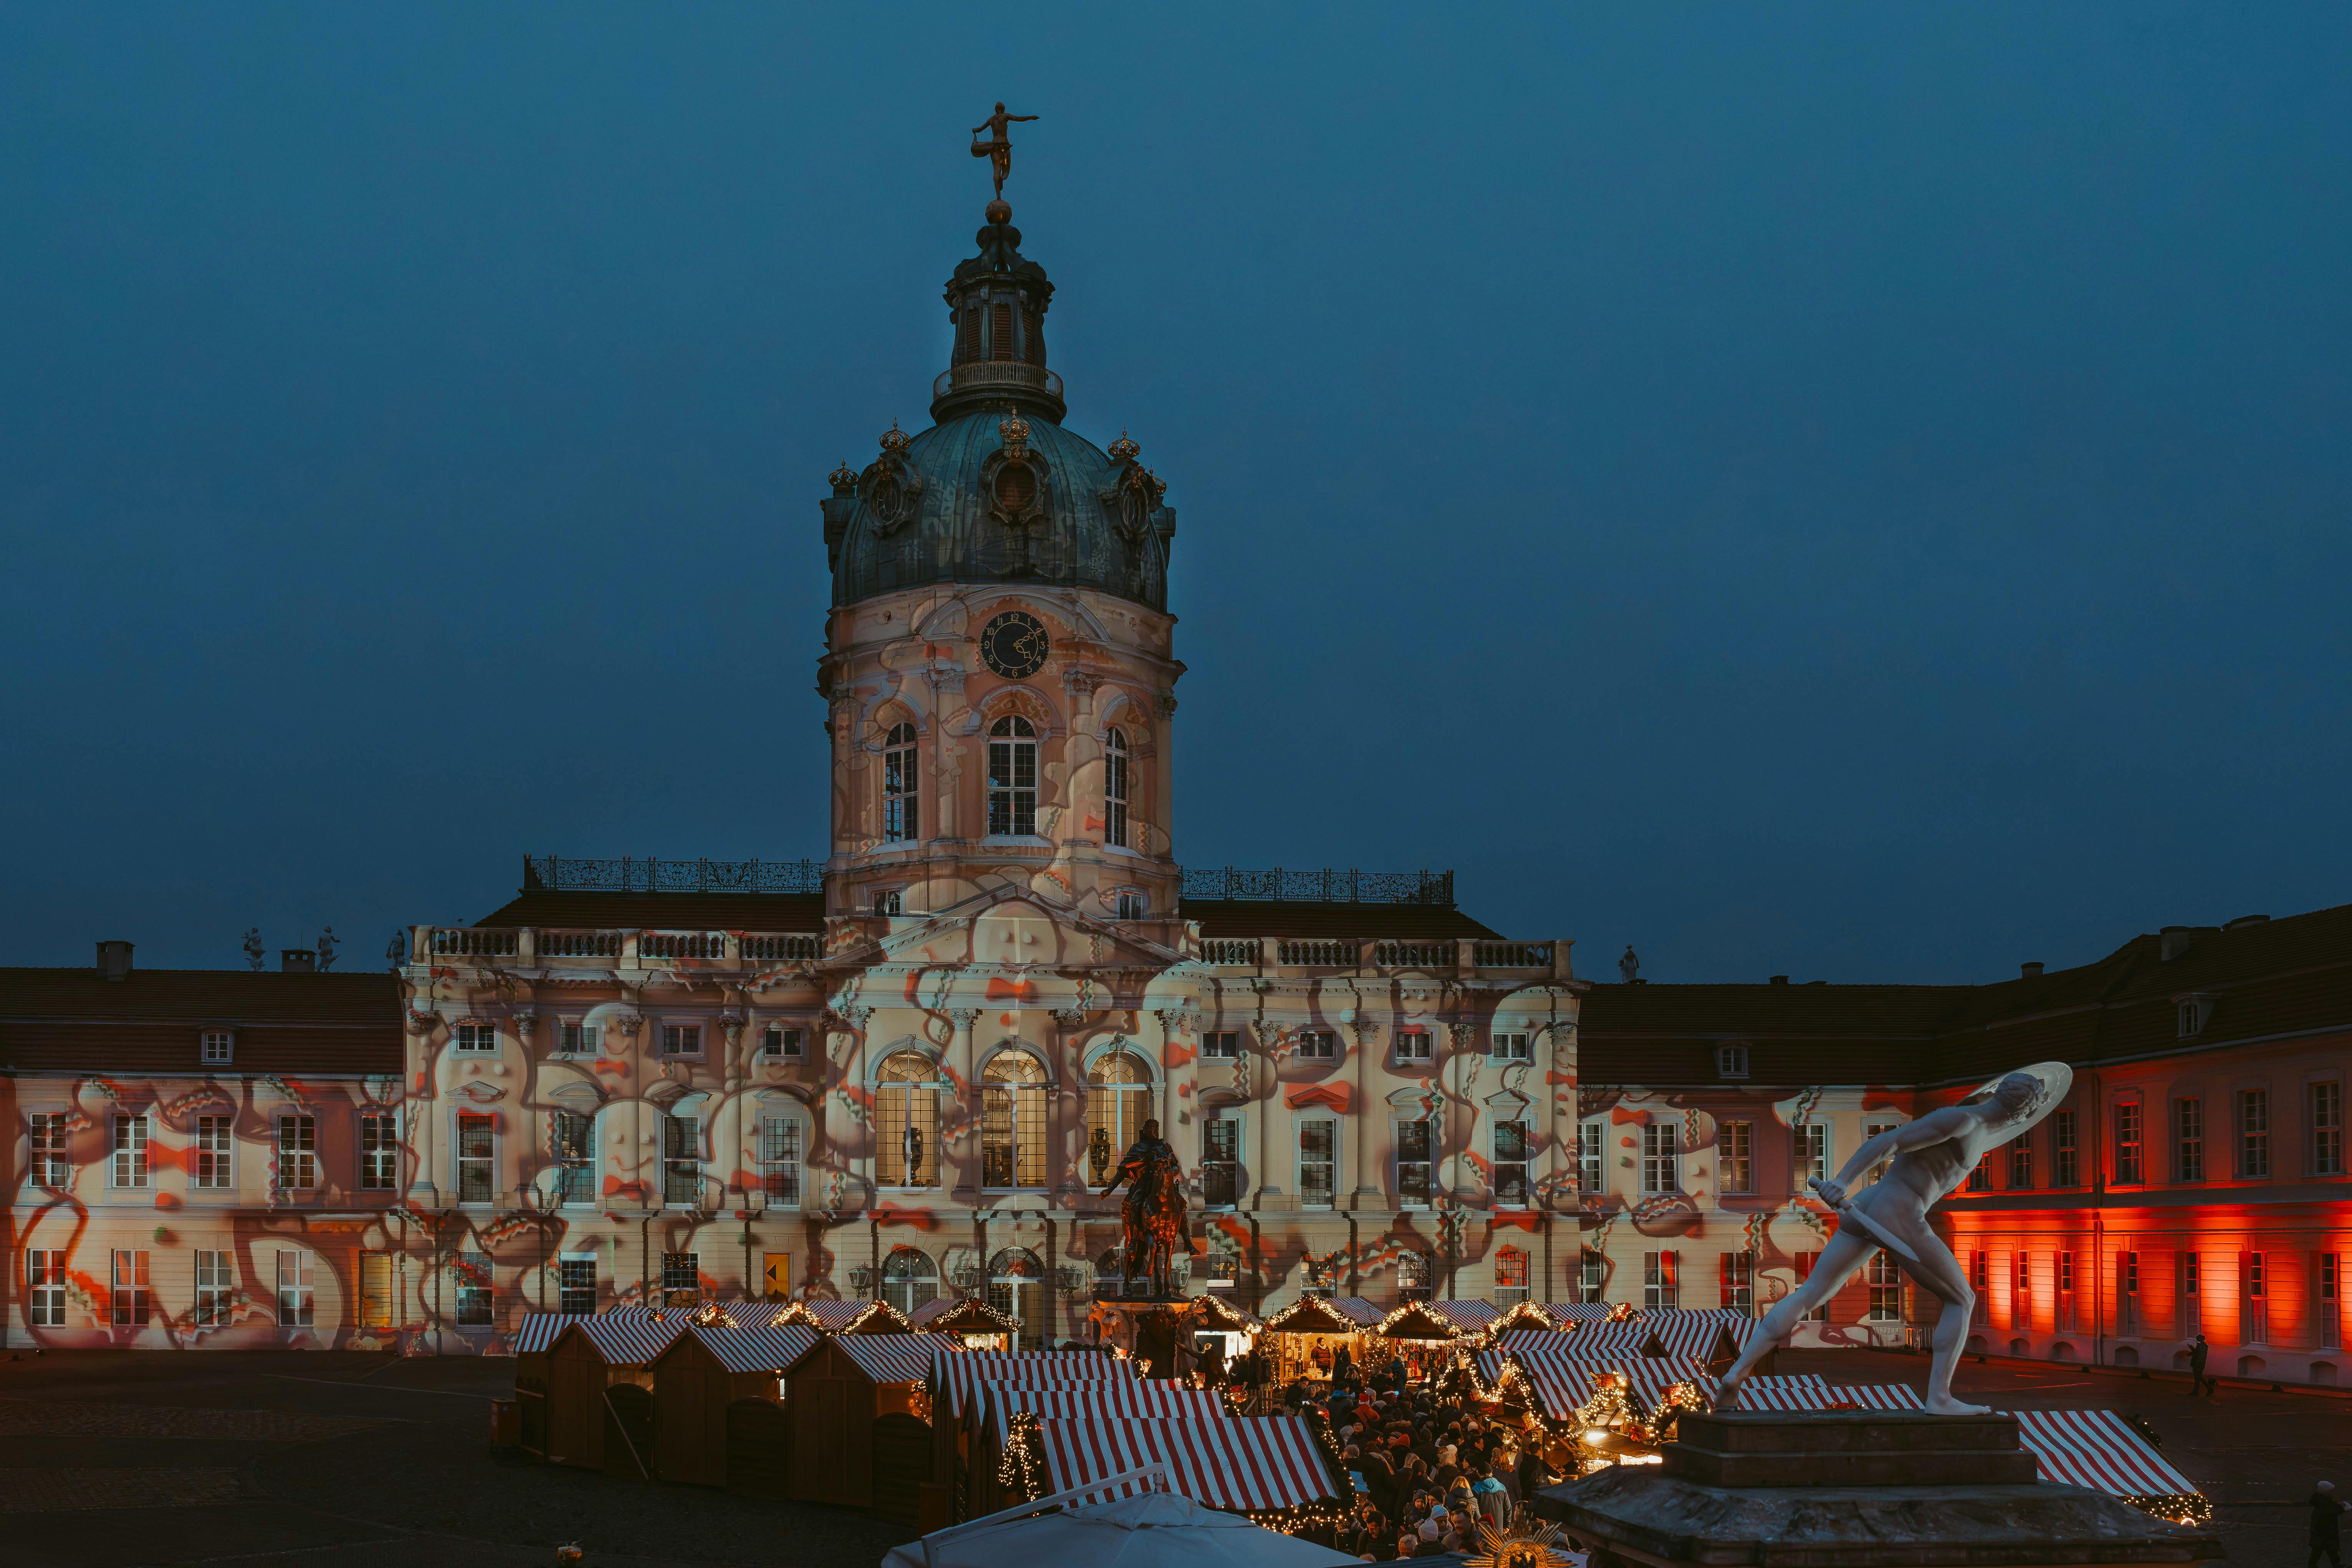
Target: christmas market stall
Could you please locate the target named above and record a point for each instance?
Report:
(2096, 1448)
(600, 1391)
(1471, 1319)
(1303, 1340)
(1419, 1334)
(1232, 1330)
(1268, 1469)
(1529, 1317)
(969, 1318)
(1001, 1407)
(860, 1406)
(854, 1318)
(698, 1382)
(1713, 1335)
(958, 1378)
(531, 1347)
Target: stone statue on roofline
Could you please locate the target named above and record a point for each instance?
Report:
(1930, 1159)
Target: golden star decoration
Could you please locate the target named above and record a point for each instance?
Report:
(1522, 1546)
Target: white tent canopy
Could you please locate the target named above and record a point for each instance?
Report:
(1150, 1529)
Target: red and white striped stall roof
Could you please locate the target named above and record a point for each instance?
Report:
(1692, 1333)
(890, 1357)
(1470, 1317)
(1162, 1399)
(1593, 1339)
(1254, 1464)
(537, 1335)
(1364, 1314)
(2095, 1448)
(1878, 1396)
(1580, 1312)
(1806, 1390)
(1651, 1378)
(957, 1375)
(1560, 1379)
(741, 1348)
(626, 1339)
(845, 1317)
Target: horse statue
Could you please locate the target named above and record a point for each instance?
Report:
(1153, 1218)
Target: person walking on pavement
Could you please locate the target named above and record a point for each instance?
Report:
(2325, 1516)
(2197, 1381)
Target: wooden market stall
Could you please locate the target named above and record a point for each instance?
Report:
(587, 1425)
(1529, 1317)
(854, 1316)
(859, 1403)
(533, 1347)
(1001, 1407)
(1713, 1335)
(1303, 1339)
(704, 1373)
(958, 1391)
(1268, 1469)
(967, 1318)
(1418, 1333)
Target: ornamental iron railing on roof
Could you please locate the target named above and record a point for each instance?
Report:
(560, 874)
(1218, 883)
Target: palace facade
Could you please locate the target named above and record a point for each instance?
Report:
(905, 1071)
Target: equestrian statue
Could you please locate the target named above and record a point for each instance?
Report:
(1153, 1218)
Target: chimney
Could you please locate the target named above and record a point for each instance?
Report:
(114, 960)
(2172, 942)
(296, 961)
(2031, 971)
(1780, 980)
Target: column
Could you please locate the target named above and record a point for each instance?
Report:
(861, 1163)
(629, 1025)
(1065, 1109)
(1083, 817)
(423, 1110)
(1262, 1088)
(1172, 1024)
(961, 1069)
(1559, 1163)
(1368, 1194)
(947, 698)
(726, 1132)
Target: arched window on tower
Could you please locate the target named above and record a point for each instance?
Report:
(907, 1122)
(1119, 1102)
(1115, 760)
(1012, 778)
(899, 816)
(908, 1279)
(1013, 1122)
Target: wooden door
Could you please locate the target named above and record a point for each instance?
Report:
(679, 1396)
(575, 1412)
(759, 1450)
(902, 1464)
(628, 1432)
(819, 1408)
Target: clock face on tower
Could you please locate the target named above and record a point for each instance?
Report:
(1015, 645)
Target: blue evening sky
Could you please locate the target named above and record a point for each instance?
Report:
(1852, 491)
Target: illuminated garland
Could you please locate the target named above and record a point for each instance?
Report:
(1020, 1470)
(2175, 1508)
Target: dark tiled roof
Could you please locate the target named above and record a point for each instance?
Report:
(663, 911)
(1377, 922)
(75, 1020)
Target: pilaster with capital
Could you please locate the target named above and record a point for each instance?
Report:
(422, 1088)
(1366, 1131)
(1065, 1130)
(1271, 1038)
(947, 699)
(1172, 1022)
(961, 1070)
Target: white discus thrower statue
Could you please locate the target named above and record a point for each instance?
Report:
(1931, 1158)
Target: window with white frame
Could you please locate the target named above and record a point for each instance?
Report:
(1589, 1175)
(2192, 1018)
(1808, 1147)
(1414, 1048)
(1013, 1122)
(1736, 1282)
(129, 1166)
(2128, 1141)
(781, 1155)
(1013, 778)
(682, 1280)
(681, 1160)
(1220, 1159)
(2020, 1291)
(1661, 1281)
(472, 1280)
(1413, 1274)
(296, 1290)
(681, 1040)
(215, 1153)
(1731, 1061)
(1591, 1273)
(2020, 1162)
(889, 901)
(575, 1286)
(475, 1039)
(379, 1289)
(1416, 1151)
(1660, 1170)
(901, 818)
(1119, 1102)
(216, 1048)
(1318, 1161)
(50, 1166)
(297, 1153)
(1734, 1155)
(1869, 1130)
(575, 1037)
(2189, 1140)
(379, 1151)
(2063, 1169)
(476, 1176)
(907, 1121)
(910, 1280)
(1222, 1044)
(216, 1289)
(1806, 1263)
(1319, 1044)
(45, 1286)
(1511, 1278)
(2327, 1128)
(1885, 1289)
(1511, 1165)
(2253, 1132)
(570, 1150)
(1511, 1045)
(1115, 781)
(135, 1301)
(1130, 905)
(778, 1044)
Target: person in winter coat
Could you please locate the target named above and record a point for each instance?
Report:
(2327, 1525)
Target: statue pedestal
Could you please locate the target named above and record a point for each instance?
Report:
(1863, 1490)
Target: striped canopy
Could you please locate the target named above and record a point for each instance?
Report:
(1528, 1317)
(1878, 1396)
(2095, 1448)
(956, 1376)
(1364, 1314)
(1596, 1338)
(626, 1339)
(1557, 1373)
(1704, 1334)
(761, 1349)
(539, 1331)
(854, 1316)
(1579, 1311)
(1252, 1464)
(1135, 1397)
(1470, 1317)
(1807, 1391)
(1649, 1379)
(891, 1358)
(966, 1315)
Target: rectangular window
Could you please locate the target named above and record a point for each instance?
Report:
(1220, 1162)
(681, 1040)
(1660, 1172)
(682, 1280)
(216, 1289)
(217, 1046)
(1223, 1045)
(2257, 1331)
(1412, 1277)
(297, 1153)
(476, 1181)
(1660, 1285)
(215, 1153)
(45, 1288)
(1805, 1264)
(1319, 1044)
(2062, 1281)
(2061, 1149)
(1869, 1130)
(1731, 1061)
(378, 1291)
(2127, 1143)
(576, 1284)
(1513, 1046)
(2331, 1309)
(1980, 1174)
(2127, 1293)
(2253, 1132)
(133, 1303)
(1886, 1289)
(1735, 1276)
(472, 1280)
(1132, 906)
(2020, 1291)
(1318, 1161)
(681, 1160)
(2189, 1140)
(2020, 1162)
(2327, 1128)
(1416, 1142)
(1735, 1157)
(1589, 1174)
(889, 902)
(1012, 781)
(1592, 1274)
(781, 1045)
(1511, 1165)
(475, 1039)
(1980, 1286)
(900, 818)
(1810, 1149)
(50, 1168)
(780, 1159)
(569, 1146)
(2191, 1313)
(1413, 1047)
(294, 1290)
(129, 1168)
(573, 1037)
(379, 1151)
(1510, 1276)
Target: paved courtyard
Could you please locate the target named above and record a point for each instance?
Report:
(364, 1461)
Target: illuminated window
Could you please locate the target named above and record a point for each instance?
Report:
(2127, 1293)
(681, 1278)
(1592, 1274)
(1510, 1276)
(907, 1122)
(1733, 1156)
(2327, 1128)
(2189, 1140)
(44, 1284)
(2253, 1132)
(128, 1167)
(475, 1183)
(1661, 1281)
(133, 1303)
(1016, 1288)
(50, 1167)
(1659, 1169)
(2021, 1162)
(1412, 1277)
(568, 1146)
(1013, 1122)
(1736, 1276)
(576, 1284)
(1413, 1047)
(1119, 1102)
(1511, 1165)
(1810, 1148)
(909, 1280)
(1115, 765)
(295, 1289)
(297, 1153)
(901, 815)
(2127, 1143)
(1416, 1147)
(2020, 1291)
(1886, 1289)
(2257, 1331)
(2061, 1149)
(1012, 778)
(780, 1159)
